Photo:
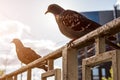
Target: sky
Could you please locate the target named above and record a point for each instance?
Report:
(25, 19)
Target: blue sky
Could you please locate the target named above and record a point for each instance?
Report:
(25, 19)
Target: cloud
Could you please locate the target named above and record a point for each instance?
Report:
(42, 47)
(15, 29)
(11, 29)
(118, 2)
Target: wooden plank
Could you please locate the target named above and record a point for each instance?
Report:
(100, 45)
(113, 56)
(86, 71)
(50, 63)
(9, 78)
(53, 55)
(116, 65)
(48, 73)
(100, 58)
(43, 78)
(70, 64)
(29, 74)
(108, 29)
(56, 73)
(15, 77)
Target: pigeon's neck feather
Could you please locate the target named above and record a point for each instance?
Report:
(19, 45)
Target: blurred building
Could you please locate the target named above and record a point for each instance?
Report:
(101, 17)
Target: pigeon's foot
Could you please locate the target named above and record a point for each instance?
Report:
(70, 44)
(44, 67)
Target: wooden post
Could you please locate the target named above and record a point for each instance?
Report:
(113, 56)
(43, 78)
(9, 78)
(100, 48)
(70, 64)
(56, 73)
(15, 77)
(86, 71)
(50, 63)
(116, 65)
(100, 45)
(29, 74)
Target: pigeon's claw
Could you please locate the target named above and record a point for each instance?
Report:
(70, 44)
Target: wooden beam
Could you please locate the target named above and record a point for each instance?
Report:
(100, 45)
(86, 72)
(50, 64)
(100, 58)
(108, 29)
(113, 56)
(53, 55)
(29, 72)
(116, 65)
(56, 73)
(9, 78)
(15, 77)
(48, 73)
(70, 64)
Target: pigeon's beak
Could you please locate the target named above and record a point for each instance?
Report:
(46, 12)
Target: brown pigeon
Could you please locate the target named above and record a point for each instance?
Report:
(25, 54)
(71, 23)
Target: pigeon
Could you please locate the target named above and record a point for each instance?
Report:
(71, 23)
(25, 54)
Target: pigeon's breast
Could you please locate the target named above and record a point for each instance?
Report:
(67, 31)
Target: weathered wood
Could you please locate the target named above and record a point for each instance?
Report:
(43, 78)
(50, 64)
(56, 73)
(70, 64)
(100, 58)
(100, 45)
(113, 56)
(53, 55)
(9, 78)
(116, 65)
(29, 74)
(48, 73)
(15, 77)
(86, 72)
(108, 29)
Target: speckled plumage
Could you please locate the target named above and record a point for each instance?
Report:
(71, 23)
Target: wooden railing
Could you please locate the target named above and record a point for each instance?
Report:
(69, 57)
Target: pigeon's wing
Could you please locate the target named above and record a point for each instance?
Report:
(30, 55)
(76, 21)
